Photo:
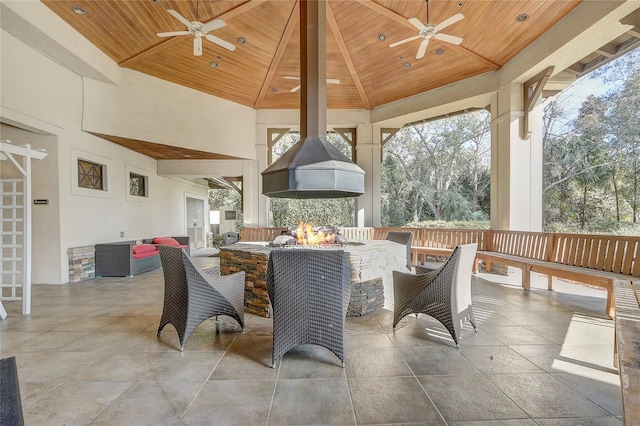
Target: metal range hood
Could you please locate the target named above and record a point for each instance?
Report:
(313, 168)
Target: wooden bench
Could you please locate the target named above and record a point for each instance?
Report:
(627, 347)
(596, 260)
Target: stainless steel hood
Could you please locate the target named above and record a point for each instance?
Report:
(313, 168)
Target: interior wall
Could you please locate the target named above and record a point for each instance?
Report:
(37, 93)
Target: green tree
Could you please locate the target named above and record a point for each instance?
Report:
(437, 170)
(625, 129)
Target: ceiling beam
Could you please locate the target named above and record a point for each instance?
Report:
(232, 13)
(473, 54)
(386, 12)
(282, 46)
(333, 24)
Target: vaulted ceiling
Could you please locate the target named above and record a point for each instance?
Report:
(266, 36)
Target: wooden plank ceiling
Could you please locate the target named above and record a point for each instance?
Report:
(370, 72)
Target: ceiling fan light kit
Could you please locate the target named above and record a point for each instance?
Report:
(198, 30)
(428, 31)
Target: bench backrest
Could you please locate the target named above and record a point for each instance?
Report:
(260, 234)
(609, 253)
(435, 237)
(534, 245)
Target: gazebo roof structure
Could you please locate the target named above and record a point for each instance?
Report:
(262, 70)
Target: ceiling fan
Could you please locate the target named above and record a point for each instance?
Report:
(295, 89)
(428, 30)
(198, 29)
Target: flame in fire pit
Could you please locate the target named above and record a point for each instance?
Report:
(305, 234)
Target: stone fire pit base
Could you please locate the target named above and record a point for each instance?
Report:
(371, 266)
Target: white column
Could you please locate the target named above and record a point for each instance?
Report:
(536, 118)
(368, 159)
(516, 164)
(256, 211)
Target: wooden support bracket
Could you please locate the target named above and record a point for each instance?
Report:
(532, 92)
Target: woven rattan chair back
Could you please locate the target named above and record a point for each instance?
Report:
(191, 297)
(309, 291)
(444, 294)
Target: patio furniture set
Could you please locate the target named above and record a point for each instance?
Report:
(309, 288)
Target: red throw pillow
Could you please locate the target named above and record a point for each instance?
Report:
(167, 241)
(143, 248)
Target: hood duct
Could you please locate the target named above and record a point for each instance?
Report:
(313, 168)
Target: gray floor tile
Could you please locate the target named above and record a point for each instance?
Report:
(232, 402)
(381, 362)
(469, 397)
(144, 403)
(392, 400)
(74, 403)
(497, 360)
(89, 353)
(119, 366)
(544, 396)
(601, 387)
(187, 366)
(315, 401)
(440, 360)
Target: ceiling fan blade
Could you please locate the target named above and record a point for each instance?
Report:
(221, 42)
(288, 77)
(179, 17)
(295, 89)
(173, 33)
(333, 81)
(417, 23)
(197, 46)
(423, 48)
(213, 25)
(449, 21)
(406, 40)
(449, 38)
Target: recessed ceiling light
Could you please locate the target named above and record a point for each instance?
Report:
(407, 65)
(213, 64)
(275, 90)
(187, 156)
(382, 37)
(79, 10)
(241, 40)
(460, 4)
(440, 51)
(522, 17)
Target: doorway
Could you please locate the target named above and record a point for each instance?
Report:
(195, 209)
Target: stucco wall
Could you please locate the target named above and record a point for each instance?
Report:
(41, 96)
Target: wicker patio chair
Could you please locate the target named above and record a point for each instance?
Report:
(309, 291)
(405, 238)
(444, 294)
(191, 296)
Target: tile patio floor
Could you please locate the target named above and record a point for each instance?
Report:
(88, 354)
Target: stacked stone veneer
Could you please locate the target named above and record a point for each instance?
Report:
(82, 263)
(371, 266)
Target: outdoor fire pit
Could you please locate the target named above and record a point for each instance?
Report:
(371, 264)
